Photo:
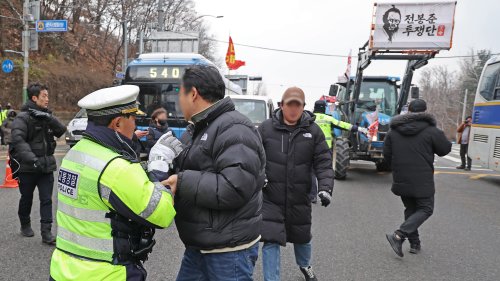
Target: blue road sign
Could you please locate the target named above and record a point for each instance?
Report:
(51, 25)
(120, 75)
(7, 66)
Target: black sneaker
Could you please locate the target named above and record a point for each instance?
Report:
(468, 169)
(396, 243)
(308, 273)
(461, 167)
(415, 248)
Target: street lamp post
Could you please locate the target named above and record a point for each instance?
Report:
(203, 16)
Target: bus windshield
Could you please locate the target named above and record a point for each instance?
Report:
(161, 95)
(255, 110)
(380, 93)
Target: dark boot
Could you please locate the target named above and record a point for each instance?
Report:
(396, 243)
(26, 230)
(308, 273)
(415, 248)
(461, 167)
(47, 236)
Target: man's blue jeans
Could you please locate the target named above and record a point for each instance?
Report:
(271, 259)
(232, 266)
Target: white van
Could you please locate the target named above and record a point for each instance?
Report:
(256, 108)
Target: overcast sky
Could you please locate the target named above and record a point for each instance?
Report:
(327, 26)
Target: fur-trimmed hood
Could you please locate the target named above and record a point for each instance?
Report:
(412, 123)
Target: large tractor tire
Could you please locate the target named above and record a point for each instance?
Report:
(341, 158)
(382, 166)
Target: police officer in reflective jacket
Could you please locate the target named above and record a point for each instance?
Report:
(327, 123)
(108, 206)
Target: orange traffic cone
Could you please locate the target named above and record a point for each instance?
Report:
(9, 182)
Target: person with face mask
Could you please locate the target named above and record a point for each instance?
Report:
(157, 128)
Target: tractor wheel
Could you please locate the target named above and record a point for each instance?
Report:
(382, 166)
(341, 158)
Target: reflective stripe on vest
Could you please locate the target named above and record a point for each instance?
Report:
(105, 245)
(83, 228)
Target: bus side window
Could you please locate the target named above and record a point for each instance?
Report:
(489, 82)
(497, 89)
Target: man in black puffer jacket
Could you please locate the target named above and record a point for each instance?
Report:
(409, 147)
(220, 175)
(32, 150)
(294, 145)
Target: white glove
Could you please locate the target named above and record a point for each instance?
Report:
(363, 130)
(163, 153)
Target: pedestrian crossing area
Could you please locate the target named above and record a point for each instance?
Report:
(454, 157)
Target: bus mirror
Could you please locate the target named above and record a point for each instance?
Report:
(334, 89)
(415, 92)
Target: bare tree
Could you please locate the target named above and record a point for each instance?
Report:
(470, 71)
(440, 90)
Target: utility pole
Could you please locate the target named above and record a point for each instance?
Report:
(125, 44)
(465, 104)
(161, 16)
(26, 48)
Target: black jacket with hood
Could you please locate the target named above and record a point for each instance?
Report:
(409, 147)
(291, 153)
(220, 178)
(33, 140)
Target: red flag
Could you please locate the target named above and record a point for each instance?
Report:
(231, 61)
(347, 73)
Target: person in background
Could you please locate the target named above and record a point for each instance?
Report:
(295, 146)
(409, 148)
(7, 126)
(3, 116)
(157, 127)
(463, 139)
(32, 148)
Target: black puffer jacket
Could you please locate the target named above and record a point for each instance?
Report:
(33, 140)
(291, 153)
(221, 173)
(410, 146)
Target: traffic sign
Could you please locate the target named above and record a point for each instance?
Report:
(7, 66)
(120, 75)
(51, 25)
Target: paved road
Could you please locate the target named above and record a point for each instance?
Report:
(460, 242)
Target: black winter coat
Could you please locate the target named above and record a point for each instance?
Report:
(221, 173)
(33, 140)
(154, 134)
(410, 146)
(292, 153)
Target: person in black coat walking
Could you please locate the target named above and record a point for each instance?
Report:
(294, 145)
(219, 180)
(409, 148)
(32, 150)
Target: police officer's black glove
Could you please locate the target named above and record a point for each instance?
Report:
(325, 198)
(40, 114)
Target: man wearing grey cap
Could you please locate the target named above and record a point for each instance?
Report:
(409, 147)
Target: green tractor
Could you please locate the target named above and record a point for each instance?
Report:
(371, 102)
